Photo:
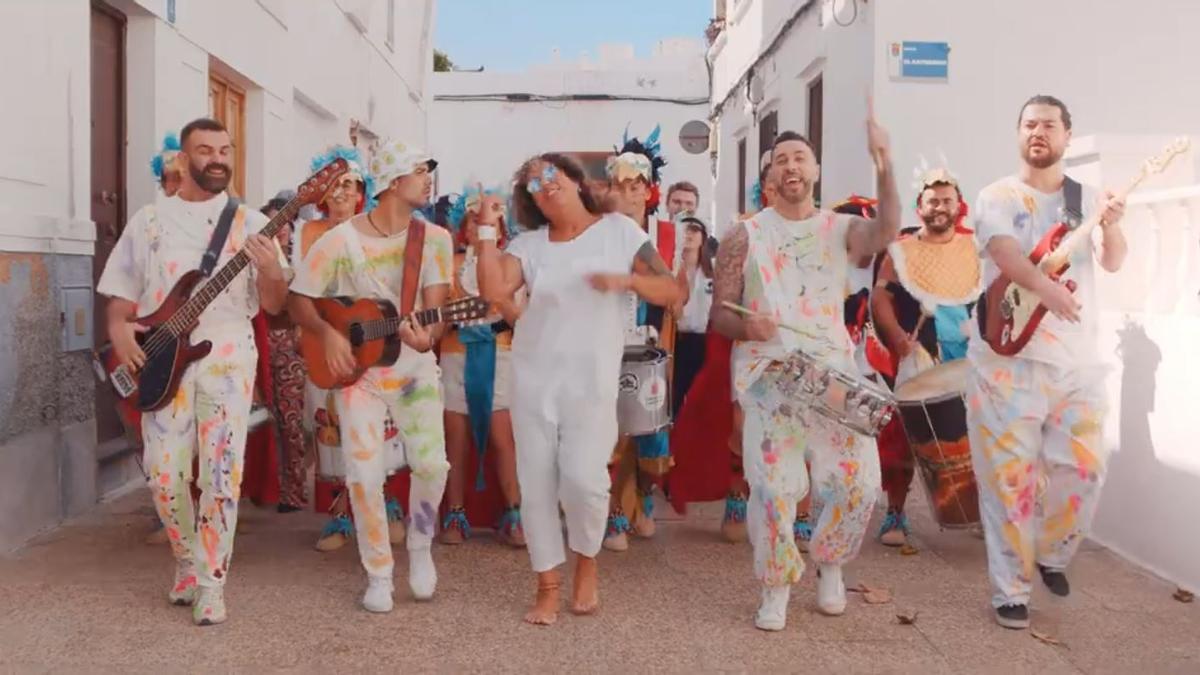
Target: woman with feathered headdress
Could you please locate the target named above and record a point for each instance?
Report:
(350, 195)
(476, 367)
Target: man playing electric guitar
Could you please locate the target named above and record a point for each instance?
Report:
(386, 254)
(211, 408)
(1040, 411)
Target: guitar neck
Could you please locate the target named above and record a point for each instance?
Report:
(195, 305)
(1056, 259)
(381, 328)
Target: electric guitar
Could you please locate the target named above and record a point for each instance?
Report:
(166, 342)
(370, 325)
(1011, 313)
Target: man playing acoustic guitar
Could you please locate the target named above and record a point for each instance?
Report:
(386, 254)
(1035, 418)
(211, 408)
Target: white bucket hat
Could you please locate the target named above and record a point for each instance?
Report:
(395, 159)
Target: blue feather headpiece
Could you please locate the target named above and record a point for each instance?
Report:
(170, 149)
(756, 195)
(357, 165)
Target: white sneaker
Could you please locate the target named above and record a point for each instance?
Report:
(209, 609)
(422, 575)
(831, 592)
(772, 611)
(378, 597)
(183, 591)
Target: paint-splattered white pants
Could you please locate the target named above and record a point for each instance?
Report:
(778, 437)
(1037, 450)
(411, 393)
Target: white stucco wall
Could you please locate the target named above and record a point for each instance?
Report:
(309, 69)
(45, 129)
(487, 140)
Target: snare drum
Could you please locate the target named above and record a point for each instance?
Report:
(933, 412)
(643, 398)
(852, 402)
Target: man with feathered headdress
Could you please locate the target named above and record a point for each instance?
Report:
(476, 367)
(641, 462)
(352, 194)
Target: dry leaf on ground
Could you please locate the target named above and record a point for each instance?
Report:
(909, 549)
(873, 596)
(907, 619)
(1184, 596)
(1047, 639)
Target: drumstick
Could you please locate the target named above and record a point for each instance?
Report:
(744, 311)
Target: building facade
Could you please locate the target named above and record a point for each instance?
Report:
(484, 124)
(98, 86)
(948, 80)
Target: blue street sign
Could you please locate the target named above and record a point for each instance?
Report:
(925, 60)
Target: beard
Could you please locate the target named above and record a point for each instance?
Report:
(210, 183)
(938, 223)
(1048, 159)
(792, 195)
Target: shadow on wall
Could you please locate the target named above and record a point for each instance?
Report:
(1148, 505)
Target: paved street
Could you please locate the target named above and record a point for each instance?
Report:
(90, 597)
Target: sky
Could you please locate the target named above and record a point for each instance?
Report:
(511, 35)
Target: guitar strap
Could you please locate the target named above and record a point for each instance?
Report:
(219, 237)
(412, 266)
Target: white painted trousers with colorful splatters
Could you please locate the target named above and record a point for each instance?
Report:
(778, 437)
(1036, 446)
(411, 392)
(209, 415)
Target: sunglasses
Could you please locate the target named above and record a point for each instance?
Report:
(549, 173)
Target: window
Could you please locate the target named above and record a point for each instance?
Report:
(741, 181)
(227, 105)
(816, 106)
(391, 24)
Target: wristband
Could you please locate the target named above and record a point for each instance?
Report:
(487, 233)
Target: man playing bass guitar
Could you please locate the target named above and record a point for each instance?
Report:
(387, 254)
(210, 410)
(1035, 418)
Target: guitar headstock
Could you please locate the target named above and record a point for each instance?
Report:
(313, 190)
(1158, 163)
(466, 310)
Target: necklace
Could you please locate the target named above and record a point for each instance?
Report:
(375, 227)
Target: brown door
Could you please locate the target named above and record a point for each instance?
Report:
(108, 173)
(816, 114)
(227, 105)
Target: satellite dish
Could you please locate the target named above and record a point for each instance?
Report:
(694, 136)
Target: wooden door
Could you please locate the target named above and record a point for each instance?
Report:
(108, 207)
(227, 105)
(816, 114)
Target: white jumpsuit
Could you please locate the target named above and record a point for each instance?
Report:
(566, 358)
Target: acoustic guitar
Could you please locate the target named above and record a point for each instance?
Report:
(371, 326)
(1011, 313)
(166, 343)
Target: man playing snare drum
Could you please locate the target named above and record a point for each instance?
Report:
(1035, 419)
(788, 265)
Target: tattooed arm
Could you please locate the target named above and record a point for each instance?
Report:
(728, 283)
(650, 279)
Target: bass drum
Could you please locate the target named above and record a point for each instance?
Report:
(934, 414)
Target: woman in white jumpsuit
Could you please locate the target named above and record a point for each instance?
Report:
(566, 357)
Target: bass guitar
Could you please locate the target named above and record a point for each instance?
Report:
(166, 342)
(1011, 314)
(371, 326)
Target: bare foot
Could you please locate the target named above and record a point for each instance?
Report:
(545, 606)
(586, 597)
